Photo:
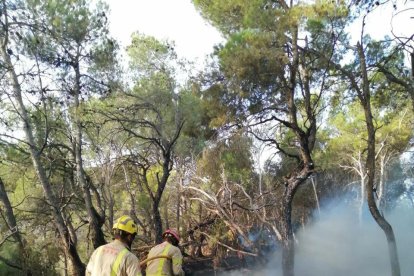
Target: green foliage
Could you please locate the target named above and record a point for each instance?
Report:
(345, 135)
(227, 16)
(150, 56)
(255, 61)
(40, 264)
(10, 252)
(232, 157)
(196, 130)
(254, 58)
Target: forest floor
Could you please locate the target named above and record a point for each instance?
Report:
(204, 266)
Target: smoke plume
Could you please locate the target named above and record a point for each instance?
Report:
(338, 243)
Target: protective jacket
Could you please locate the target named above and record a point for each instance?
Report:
(163, 266)
(113, 259)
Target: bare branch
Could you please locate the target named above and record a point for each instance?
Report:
(229, 247)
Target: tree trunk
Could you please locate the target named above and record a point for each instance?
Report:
(288, 245)
(157, 221)
(306, 140)
(381, 185)
(286, 230)
(362, 176)
(365, 99)
(316, 194)
(95, 220)
(68, 246)
(165, 213)
(160, 190)
(12, 225)
(178, 211)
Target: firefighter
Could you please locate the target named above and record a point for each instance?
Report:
(115, 258)
(167, 256)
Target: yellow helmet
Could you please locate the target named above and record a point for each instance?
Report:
(127, 224)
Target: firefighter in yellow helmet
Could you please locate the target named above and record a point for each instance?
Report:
(172, 263)
(115, 258)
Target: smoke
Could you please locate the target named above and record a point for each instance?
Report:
(337, 243)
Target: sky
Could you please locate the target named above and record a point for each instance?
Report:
(179, 21)
(385, 20)
(175, 20)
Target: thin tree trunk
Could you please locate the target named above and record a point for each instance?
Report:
(381, 186)
(157, 199)
(76, 264)
(288, 245)
(165, 214)
(157, 221)
(365, 98)
(12, 224)
(306, 140)
(362, 200)
(316, 195)
(178, 214)
(286, 230)
(95, 220)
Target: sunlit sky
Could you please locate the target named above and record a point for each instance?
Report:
(175, 20)
(385, 20)
(179, 21)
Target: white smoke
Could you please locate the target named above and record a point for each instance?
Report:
(337, 243)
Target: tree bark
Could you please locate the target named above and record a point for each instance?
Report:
(157, 221)
(306, 140)
(286, 230)
(160, 189)
(95, 220)
(362, 176)
(12, 224)
(315, 191)
(178, 211)
(382, 177)
(288, 246)
(365, 99)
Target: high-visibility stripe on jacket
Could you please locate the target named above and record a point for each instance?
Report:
(163, 266)
(113, 259)
(117, 263)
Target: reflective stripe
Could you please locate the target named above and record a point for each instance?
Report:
(162, 260)
(125, 221)
(117, 263)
